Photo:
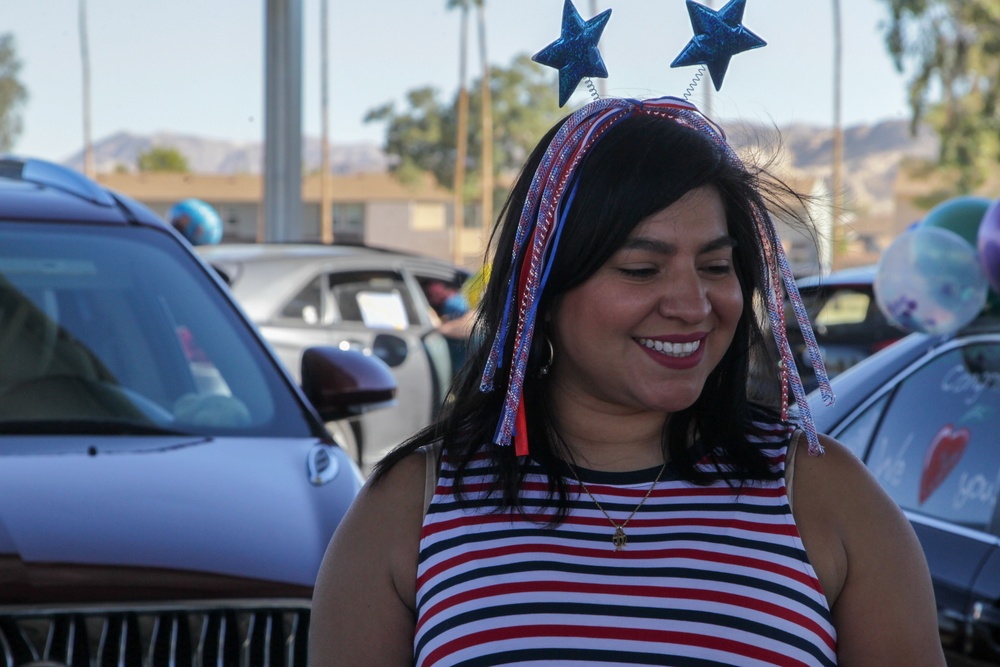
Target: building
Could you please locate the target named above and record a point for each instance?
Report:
(371, 208)
(376, 209)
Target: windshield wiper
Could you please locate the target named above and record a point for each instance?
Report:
(84, 427)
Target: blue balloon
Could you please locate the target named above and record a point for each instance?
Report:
(198, 221)
(930, 280)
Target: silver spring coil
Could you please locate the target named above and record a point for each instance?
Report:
(694, 83)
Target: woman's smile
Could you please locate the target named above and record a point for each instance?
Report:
(677, 355)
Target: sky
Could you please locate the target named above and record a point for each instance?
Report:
(196, 67)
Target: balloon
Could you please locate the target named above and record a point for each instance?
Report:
(961, 215)
(988, 244)
(197, 221)
(930, 280)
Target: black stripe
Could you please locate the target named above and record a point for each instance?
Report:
(713, 619)
(576, 656)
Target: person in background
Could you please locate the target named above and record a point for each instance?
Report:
(455, 316)
(603, 489)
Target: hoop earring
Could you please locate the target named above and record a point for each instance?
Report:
(547, 366)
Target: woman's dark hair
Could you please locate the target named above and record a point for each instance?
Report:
(642, 165)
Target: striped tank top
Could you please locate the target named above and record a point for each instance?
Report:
(711, 575)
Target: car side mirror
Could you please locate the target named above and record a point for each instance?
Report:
(345, 383)
(390, 348)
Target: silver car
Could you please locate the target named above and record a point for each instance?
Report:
(353, 297)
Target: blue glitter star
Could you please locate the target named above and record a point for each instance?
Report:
(718, 36)
(575, 53)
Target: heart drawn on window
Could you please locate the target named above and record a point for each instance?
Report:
(944, 453)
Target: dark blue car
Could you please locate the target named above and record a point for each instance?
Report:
(166, 490)
(924, 415)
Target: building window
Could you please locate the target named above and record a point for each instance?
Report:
(349, 223)
(428, 217)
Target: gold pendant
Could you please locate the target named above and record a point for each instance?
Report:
(620, 539)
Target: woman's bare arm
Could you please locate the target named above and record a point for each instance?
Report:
(363, 606)
(869, 561)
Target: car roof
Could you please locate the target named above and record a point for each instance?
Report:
(262, 252)
(34, 190)
(856, 275)
(885, 365)
(282, 257)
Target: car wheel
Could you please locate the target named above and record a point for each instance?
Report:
(344, 435)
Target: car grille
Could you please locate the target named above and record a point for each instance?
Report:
(199, 634)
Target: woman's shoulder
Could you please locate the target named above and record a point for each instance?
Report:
(372, 557)
(841, 509)
(867, 557)
(399, 485)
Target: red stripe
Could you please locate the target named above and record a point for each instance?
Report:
(609, 553)
(646, 592)
(731, 646)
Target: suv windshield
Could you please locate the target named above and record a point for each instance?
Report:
(117, 330)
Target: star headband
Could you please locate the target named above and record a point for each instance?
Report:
(718, 36)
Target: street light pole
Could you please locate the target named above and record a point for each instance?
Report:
(282, 219)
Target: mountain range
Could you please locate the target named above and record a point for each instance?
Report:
(205, 155)
(872, 154)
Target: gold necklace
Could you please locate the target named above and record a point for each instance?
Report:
(619, 539)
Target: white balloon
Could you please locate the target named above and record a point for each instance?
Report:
(930, 279)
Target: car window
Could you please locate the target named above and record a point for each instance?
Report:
(307, 306)
(844, 307)
(858, 434)
(122, 327)
(936, 451)
(378, 299)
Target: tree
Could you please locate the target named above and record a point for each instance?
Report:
(952, 50)
(161, 158)
(423, 136)
(13, 94)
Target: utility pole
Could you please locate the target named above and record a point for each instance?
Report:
(89, 167)
(461, 140)
(838, 242)
(487, 119)
(602, 84)
(706, 87)
(325, 204)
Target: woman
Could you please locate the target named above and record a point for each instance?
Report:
(644, 512)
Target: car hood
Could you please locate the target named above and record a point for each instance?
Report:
(93, 519)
